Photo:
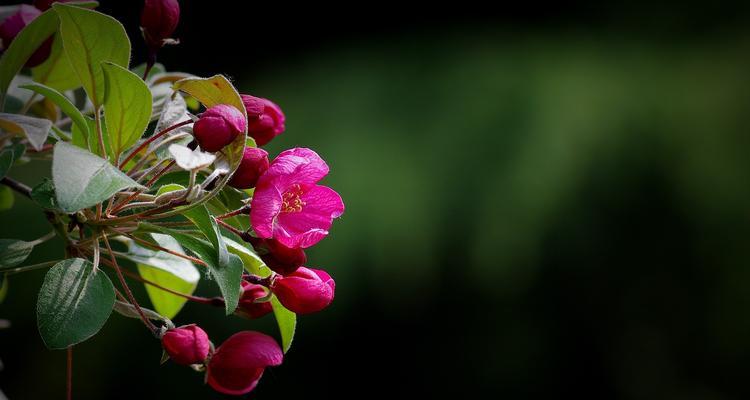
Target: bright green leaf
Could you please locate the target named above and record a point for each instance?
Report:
(56, 72)
(82, 179)
(35, 129)
(127, 107)
(165, 303)
(206, 223)
(74, 303)
(228, 276)
(90, 38)
(287, 322)
(66, 106)
(14, 252)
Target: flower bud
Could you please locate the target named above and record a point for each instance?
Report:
(11, 26)
(159, 19)
(279, 258)
(186, 345)
(247, 306)
(218, 126)
(265, 119)
(254, 163)
(239, 362)
(304, 291)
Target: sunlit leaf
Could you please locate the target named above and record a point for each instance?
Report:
(127, 107)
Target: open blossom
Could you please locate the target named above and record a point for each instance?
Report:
(11, 26)
(239, 362)
(186, 345)
(305, 291)
(289, 206)
(248, 307)
(264, 119)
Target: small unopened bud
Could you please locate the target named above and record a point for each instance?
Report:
(159, 19)
(305, 291)
(218, 126)
(254, 163)
(279, 258)
(186, 345)
(265, 120)
(248, 307)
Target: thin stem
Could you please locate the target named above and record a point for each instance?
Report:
(70, 373)
(197, 299)
(244, 210)
(99, 132)
(43, 239)
(17, 186)
(160, 248)
(121, 204)
(141, 204)
(151, 139)
(96, 251)
(230, 228)
(28, 104)
(125, 286)
(31, 267)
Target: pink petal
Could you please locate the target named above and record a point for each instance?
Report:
(322, 200)
(298, 165)
(264, 208)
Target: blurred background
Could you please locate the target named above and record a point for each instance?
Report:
(550, 201)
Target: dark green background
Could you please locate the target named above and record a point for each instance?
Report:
(548, 202)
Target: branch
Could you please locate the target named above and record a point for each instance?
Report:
(17, 186)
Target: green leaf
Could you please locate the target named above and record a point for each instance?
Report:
(3, 287)
(285, 319)
(35, 129)
(14, 252)
(228, 276)
(157, 68)
(287, 322)
(23, 46)
(82, 179)
(166, 270)
(6, 161)
(6, 198)
(90, 38)
(127, 107)
(56, 72)
(26, 43)
(43, 194)
(63, 102)
(74, 303)
(206, 223)
(128, 310)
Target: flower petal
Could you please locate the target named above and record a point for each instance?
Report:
(298, 165)
(264, 208)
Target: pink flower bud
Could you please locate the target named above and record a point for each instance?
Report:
(218, 126)
(159, 19)
(254, 163)
(305, 290)
(247, 307)
(265, 119)
(11, 26)
(279, 258)
(239, 362)
(186, 345)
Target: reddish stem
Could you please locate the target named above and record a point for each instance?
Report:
(243, 235)
(70, 373)
(160, 248)
(151, 140)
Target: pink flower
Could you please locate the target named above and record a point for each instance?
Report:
(289, 206)
(247, 307)
(254, 163)
(279, 258)
(186, 345)
(265, 119)
(239, 362)
(159, 19)
(11, 26)
(218, 126)
(304, 291)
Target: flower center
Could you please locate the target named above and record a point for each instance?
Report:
(291, 201)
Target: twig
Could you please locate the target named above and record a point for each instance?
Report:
(17, 186)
